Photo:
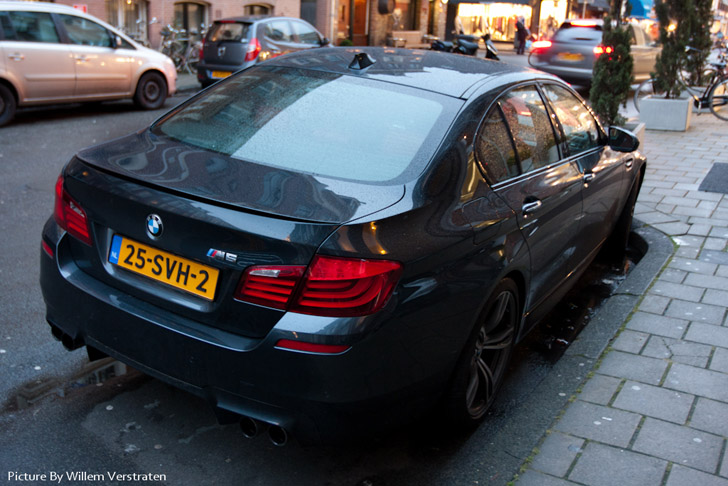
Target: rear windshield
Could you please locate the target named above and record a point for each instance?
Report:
(573, 33)
(317, 123)
(228, 31)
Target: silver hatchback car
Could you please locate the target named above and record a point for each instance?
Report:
(55, 54)
(571, 52)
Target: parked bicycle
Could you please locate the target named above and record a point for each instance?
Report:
(712, 93)
(182, 49)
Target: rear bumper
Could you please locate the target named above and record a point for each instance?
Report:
(205, 70)
(317, 398)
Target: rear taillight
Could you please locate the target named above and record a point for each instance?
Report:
(202, 49)
(599, 50)
(540, 45)
(70, 215)
(253, 50)
(337, 287)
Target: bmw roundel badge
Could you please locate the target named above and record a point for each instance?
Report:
(154, 226)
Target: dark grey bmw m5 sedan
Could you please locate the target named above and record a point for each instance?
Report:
(339, 240)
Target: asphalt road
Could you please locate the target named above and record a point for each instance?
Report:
(133, 424)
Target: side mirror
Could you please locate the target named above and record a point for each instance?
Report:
(118, 42)
(325, 41)
(622, 140)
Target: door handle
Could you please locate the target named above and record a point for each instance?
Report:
(588, 177)
(82, 58)
(531, 206)
(16, 56)
(628, 164)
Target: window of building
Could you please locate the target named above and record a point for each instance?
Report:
(129, 16)
(258, 9)
(190, 17)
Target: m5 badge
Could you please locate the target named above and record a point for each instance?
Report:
(223, 256)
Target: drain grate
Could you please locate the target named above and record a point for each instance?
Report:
(716, 180)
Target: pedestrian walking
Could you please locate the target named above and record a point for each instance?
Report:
(522, 34)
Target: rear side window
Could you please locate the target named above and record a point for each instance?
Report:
(572, 33)
(316, 123)
(495, 149)
(279, 30)
(233, 31)
(30, 27)
(84, 32)
(530, 127)
(580, 127)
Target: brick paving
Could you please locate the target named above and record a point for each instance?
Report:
(655, 409)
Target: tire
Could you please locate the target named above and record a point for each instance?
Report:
(483, 363)
(718, 99)
(645, 89)
(7, 105)
(151, 92)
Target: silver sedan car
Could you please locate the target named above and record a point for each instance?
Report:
(571, 52)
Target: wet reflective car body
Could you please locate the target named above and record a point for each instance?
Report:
(363, 244)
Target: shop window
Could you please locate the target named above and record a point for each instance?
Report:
(405, 15)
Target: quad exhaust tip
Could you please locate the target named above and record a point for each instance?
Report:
(251, 428)
(278, 435)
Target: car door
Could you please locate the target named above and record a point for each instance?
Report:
(517, 147)
(101, 68)
(36, 61)
(643, 53)
(602, 170)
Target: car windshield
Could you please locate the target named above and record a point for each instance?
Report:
(572, 33)
(316, 122)
(228, 31)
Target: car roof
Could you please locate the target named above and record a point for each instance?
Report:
(37, 6)
(449, 74)
(252, 18)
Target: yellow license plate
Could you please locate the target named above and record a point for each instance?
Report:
(220, 74)
(164, 267)
(570, 56)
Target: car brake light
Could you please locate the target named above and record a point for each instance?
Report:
(542, 44)
(253, 50)
(70, 215)
(599, 50)
(583, 23)
(337, 287)
(306, 347)
(202, 50)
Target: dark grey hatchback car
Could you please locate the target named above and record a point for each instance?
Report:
(340, 240)
(236, 43)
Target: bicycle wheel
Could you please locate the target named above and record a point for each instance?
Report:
(643, 91)
(718, 99)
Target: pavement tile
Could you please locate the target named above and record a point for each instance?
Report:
(595, 422)
(722, 271)
(655, 324)
(655, 402)
(673, 275)
(654, 304)
(715, 297)
(708, 333)
(677, 291)
(692, 311)
(708, 281)
(720, 360)
(714, 256)
(710, 416)
(680, 444)
(601, 465)
(557, 453)
(680, 201)
(724, 468)
(674, 193)
(698, 381)
(720, 232)
(689, 240)
(535, 478)
(694, 266)
(688, 252)
(630, 341)
(673, 228)
(688, 353)
(684, 476)
(638, 368)
(699, 229)
(599, 389)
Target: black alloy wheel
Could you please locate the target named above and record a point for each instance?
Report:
(7, 105)
(483, 364)
(151, 92)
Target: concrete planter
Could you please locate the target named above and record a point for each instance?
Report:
(664, 114)
(638, 128)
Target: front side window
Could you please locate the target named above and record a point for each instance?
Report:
(316, 123)
(306, 34)
(84, 32)
(530, 127)
(30, 27)
(494, 148)
(580, 127)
